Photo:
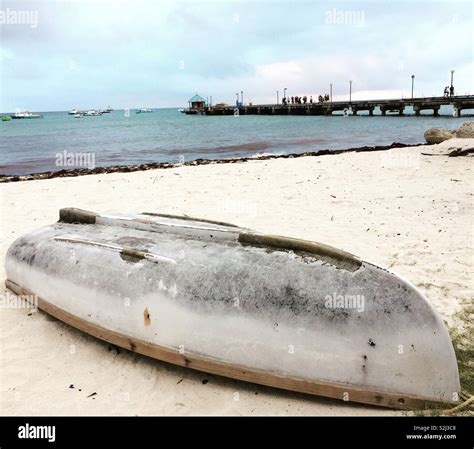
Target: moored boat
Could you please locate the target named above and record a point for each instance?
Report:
(26, 115)
(143, 111)
(227, 300)
(92, 112)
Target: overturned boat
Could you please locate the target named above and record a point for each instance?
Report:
(218, 298)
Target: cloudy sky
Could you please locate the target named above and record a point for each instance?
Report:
(123, 53)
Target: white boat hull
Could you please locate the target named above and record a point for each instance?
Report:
(219, 298)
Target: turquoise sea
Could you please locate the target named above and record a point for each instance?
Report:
(166, 135)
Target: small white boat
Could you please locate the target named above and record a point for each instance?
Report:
(218, 298)
(26, 115)
(73, 111)
(92, 112)
(143, 111)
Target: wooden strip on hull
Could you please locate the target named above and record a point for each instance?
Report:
(350, 393)
(187, 217)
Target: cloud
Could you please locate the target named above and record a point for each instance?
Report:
(127, 53)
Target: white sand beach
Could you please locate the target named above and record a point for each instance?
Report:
(400, 209)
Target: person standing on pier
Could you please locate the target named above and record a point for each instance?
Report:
(446, 91)
(311, 99)
(451, 91)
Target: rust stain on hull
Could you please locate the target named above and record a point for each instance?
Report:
(146, 317)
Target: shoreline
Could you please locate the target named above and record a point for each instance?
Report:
(73, 172)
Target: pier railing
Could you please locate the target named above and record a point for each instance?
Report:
(459, 103)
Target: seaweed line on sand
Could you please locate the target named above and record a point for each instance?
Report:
(66, 173)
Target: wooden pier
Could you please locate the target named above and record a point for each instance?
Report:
(386, 107)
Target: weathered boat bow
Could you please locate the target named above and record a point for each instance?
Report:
(227, 300)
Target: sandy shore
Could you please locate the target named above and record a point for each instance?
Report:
(400, 209)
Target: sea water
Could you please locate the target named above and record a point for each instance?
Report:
(166, 135)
